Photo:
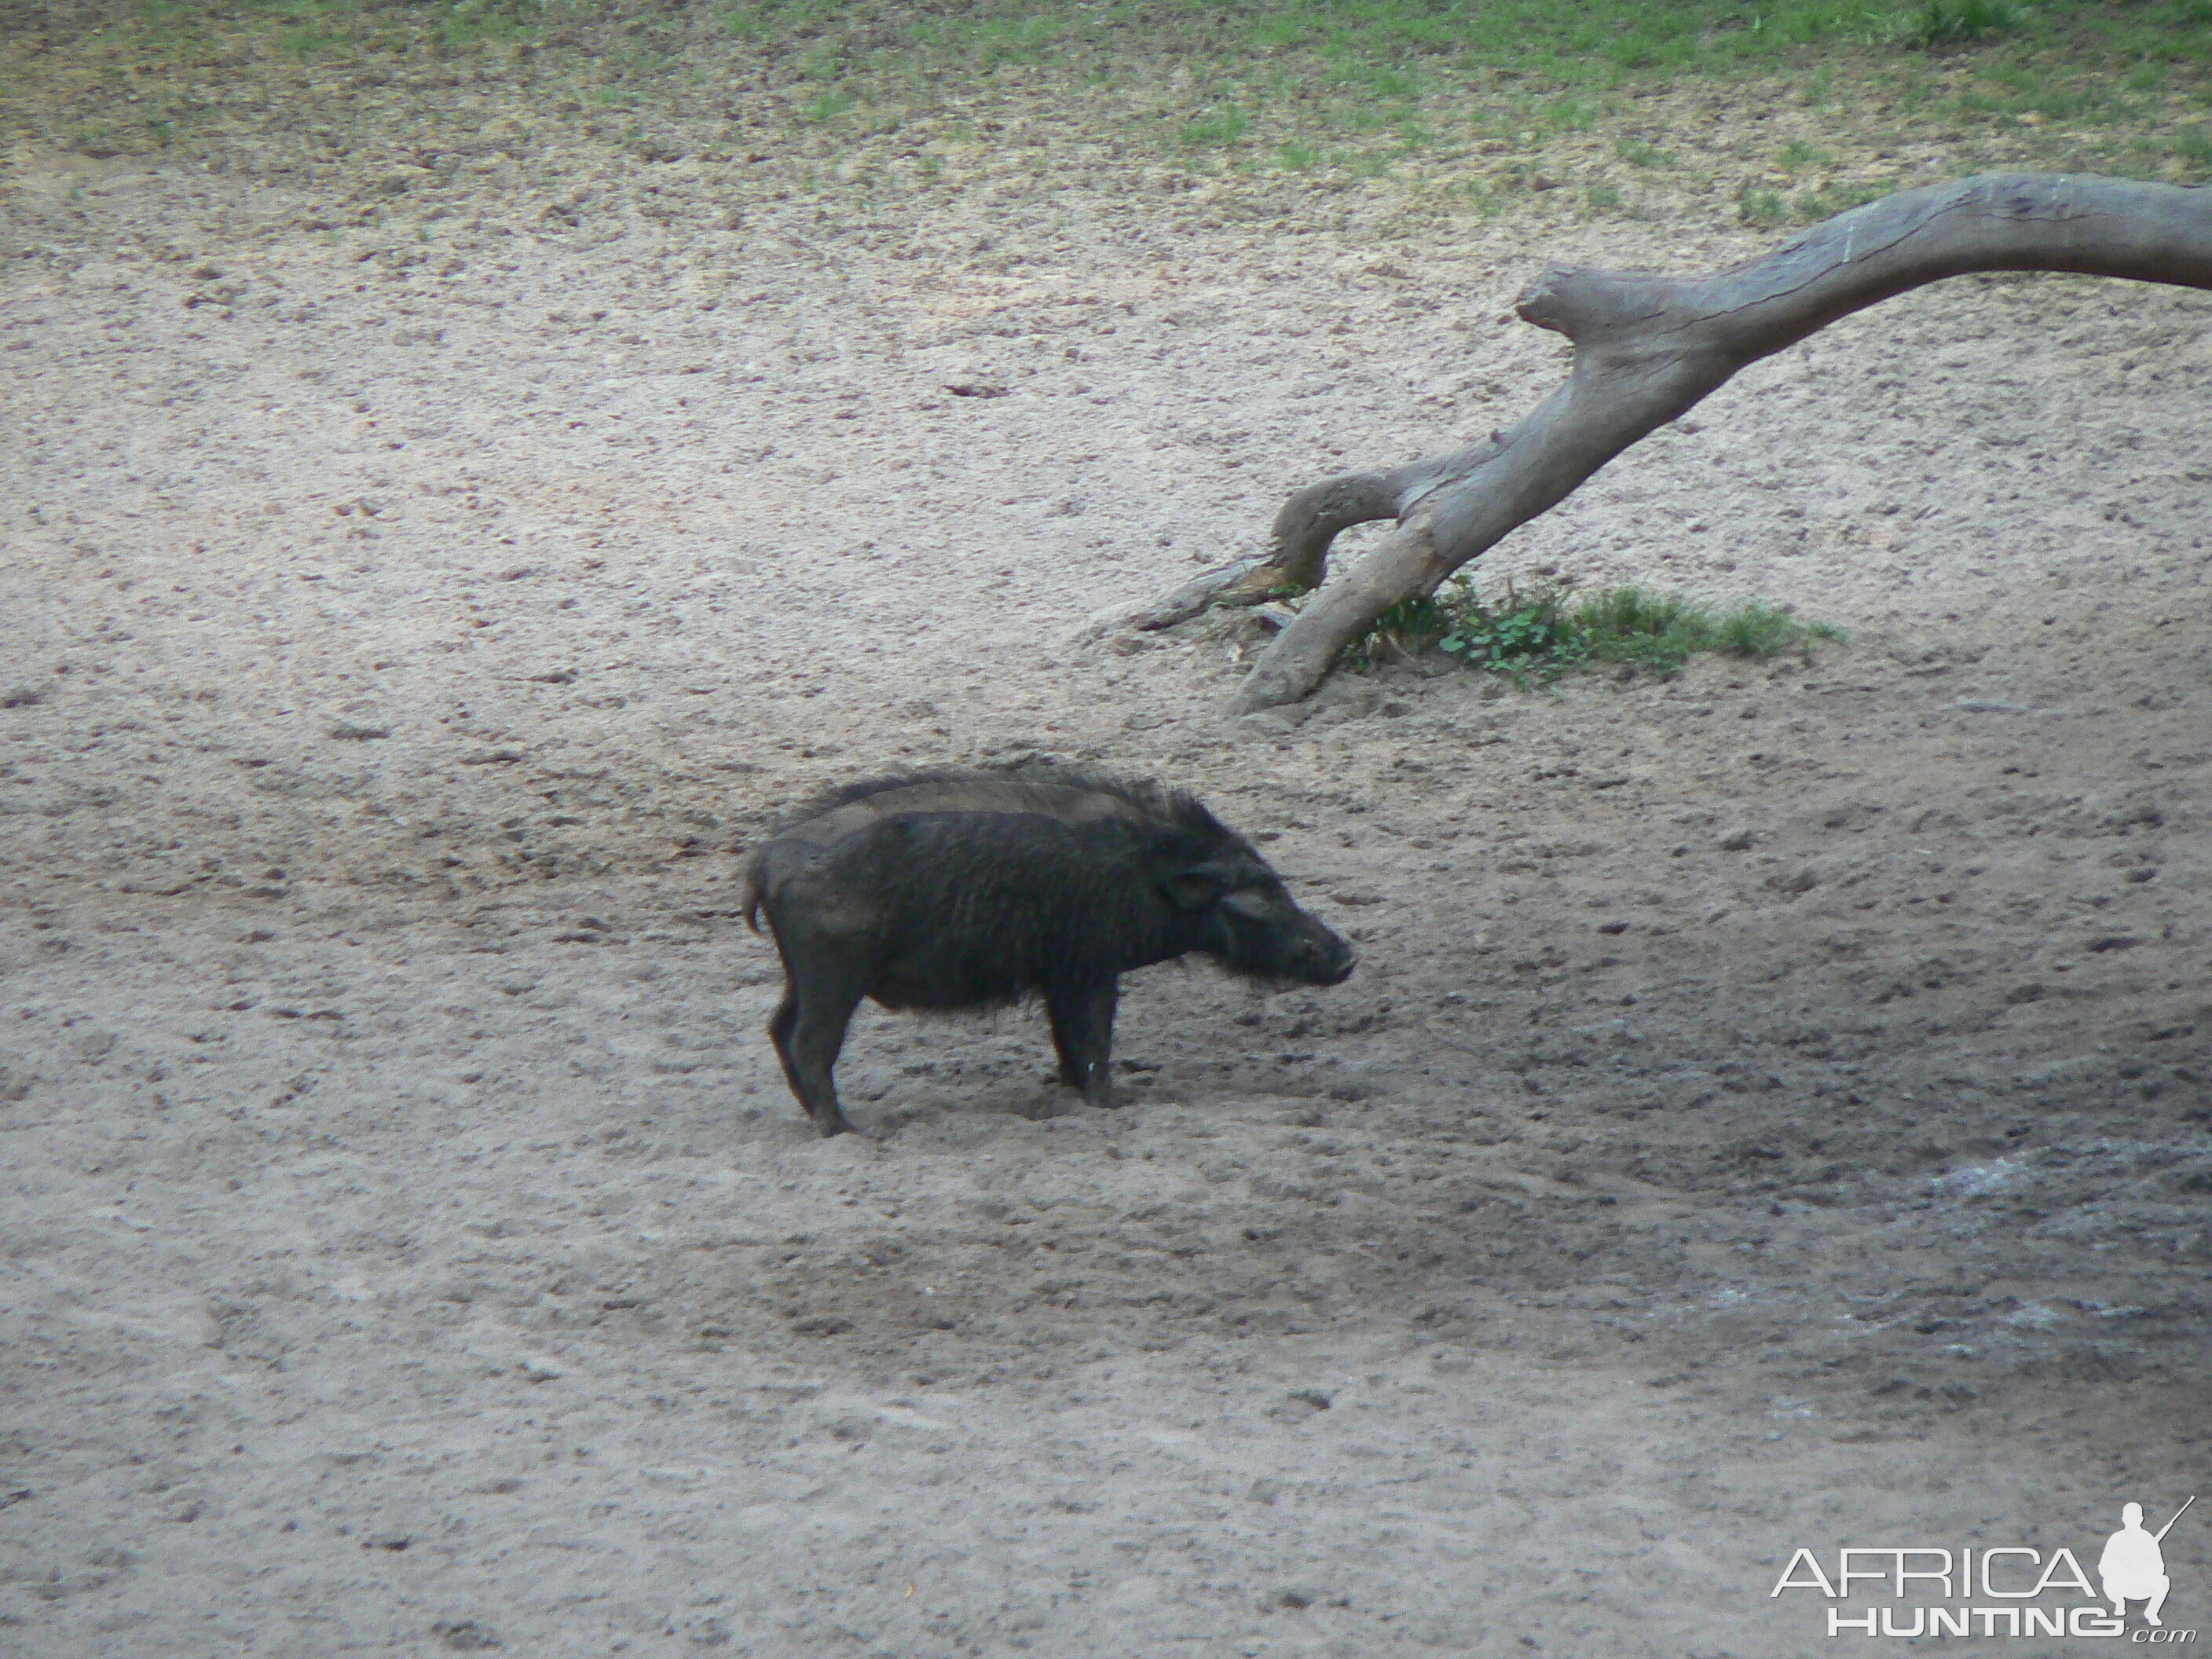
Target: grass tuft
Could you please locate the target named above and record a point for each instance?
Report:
(1218, 130)
(1539, 635)
(1953, 23)
(1756, 206)
(1829, 200)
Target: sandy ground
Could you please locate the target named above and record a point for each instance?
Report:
(1772, 1111)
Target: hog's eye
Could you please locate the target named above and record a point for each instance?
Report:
(1248, 901)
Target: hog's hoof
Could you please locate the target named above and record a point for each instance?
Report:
(1100, 1095)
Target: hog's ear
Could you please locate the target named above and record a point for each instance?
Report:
(1194, 889)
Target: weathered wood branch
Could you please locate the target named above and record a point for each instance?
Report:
(1297, 549)
(1647, 350)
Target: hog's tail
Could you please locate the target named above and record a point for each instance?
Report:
(751, 897)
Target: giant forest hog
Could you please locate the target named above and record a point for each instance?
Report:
(969, 889)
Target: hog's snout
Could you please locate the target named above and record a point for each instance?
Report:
(1322, 958)
(1331, 964)
(1259, 930)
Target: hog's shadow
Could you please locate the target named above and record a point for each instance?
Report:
(1185, 1030)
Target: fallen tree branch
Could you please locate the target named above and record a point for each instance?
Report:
(1298, 548)
(1647, 350)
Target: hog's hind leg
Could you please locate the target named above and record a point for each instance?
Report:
(779, 1032)
(808, 1030)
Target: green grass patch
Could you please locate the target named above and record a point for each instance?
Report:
(472, 22)
(1539, 635)
(1827, 201)
(1950, 22)
(1424, 89)
(312, 41)
(1570, 114)
(1757, 206)
(1217, 131)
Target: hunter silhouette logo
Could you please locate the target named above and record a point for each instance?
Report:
(2134, 1567)
(1998, 1589)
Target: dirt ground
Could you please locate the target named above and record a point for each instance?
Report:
(1772, 1110)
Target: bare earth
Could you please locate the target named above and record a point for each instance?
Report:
(1772, 1110)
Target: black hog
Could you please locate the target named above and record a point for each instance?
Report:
(967, 890)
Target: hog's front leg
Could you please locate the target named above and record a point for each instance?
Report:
(1083, 1031)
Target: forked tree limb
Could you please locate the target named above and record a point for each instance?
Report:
(1647, 348)
(1297, 549)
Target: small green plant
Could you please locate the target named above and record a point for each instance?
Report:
(466, 23)
(1760, 207)
(1570, 114)
(1412, 135)
(311, 41)
(1798, 154)
(1403, 632)
(1528, 637)
(2194, 146)
(1952, 22)
(1761, 631)
(820, 61)
(1829, 200)
(1486, 197)
(1627, 624)
(168, 14)
(1602, 198)
(1223, 128)
(1639, 154)
(1026, 40)
(1539, 635)
(1295, 157)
